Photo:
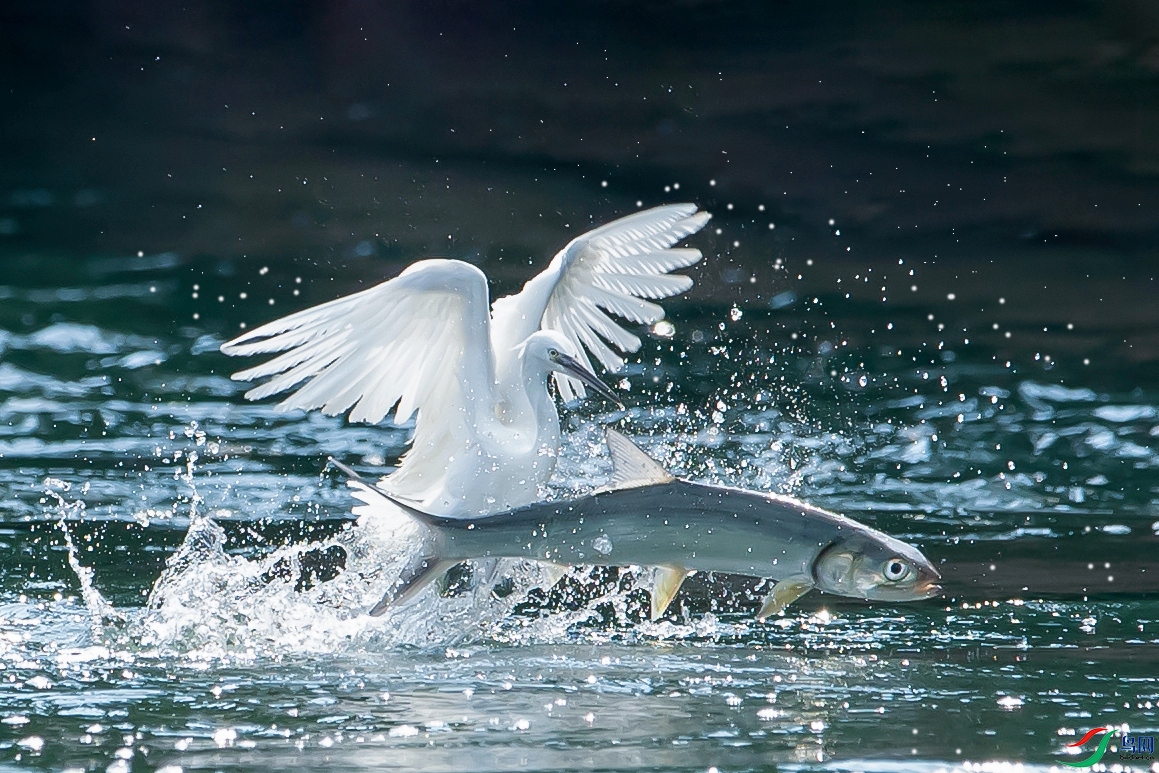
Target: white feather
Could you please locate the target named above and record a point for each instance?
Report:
(424, 346)
(612, 268)
(372, 350)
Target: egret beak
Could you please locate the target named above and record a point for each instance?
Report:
(572, 367)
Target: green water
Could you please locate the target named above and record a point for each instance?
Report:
(1030, 482)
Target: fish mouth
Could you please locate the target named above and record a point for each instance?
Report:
(931, 586)
(572, 367)
(929, 589)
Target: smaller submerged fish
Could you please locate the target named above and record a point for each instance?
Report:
(646, 517)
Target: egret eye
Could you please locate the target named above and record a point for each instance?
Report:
(895, 570)
(552, 353)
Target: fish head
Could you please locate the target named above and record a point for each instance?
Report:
(869, 565)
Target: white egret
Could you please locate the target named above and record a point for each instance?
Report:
(487, 431)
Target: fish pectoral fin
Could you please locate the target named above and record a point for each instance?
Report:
(784, 593)
(555, 573)
(665, 586)
(421, 572)
(631, 467)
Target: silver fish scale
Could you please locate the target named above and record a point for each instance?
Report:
(706, 528)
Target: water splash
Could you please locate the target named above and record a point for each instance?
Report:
(100, 611)
(213, 604)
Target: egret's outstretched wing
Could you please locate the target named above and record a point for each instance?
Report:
(618, 268)
(420, 341)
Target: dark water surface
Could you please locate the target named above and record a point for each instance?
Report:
(1031, 483)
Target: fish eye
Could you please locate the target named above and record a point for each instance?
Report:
(895, 570)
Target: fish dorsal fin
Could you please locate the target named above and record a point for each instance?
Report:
(631, 467)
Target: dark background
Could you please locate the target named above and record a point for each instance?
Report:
(1004, 149)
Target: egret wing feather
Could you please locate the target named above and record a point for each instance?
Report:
(654, 287)
(624, 305)
(292, 376)
(613, 268)
(418, 343)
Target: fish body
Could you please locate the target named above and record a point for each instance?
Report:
(646, 517)
(701, 527)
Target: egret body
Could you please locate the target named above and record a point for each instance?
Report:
(427, 345)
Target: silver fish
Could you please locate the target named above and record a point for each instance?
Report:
(646, 517)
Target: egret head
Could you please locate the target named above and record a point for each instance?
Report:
(866, 567)
(556, 354)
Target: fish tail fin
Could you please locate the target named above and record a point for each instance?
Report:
(425, 567)
(420, 573)
(362, 484)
